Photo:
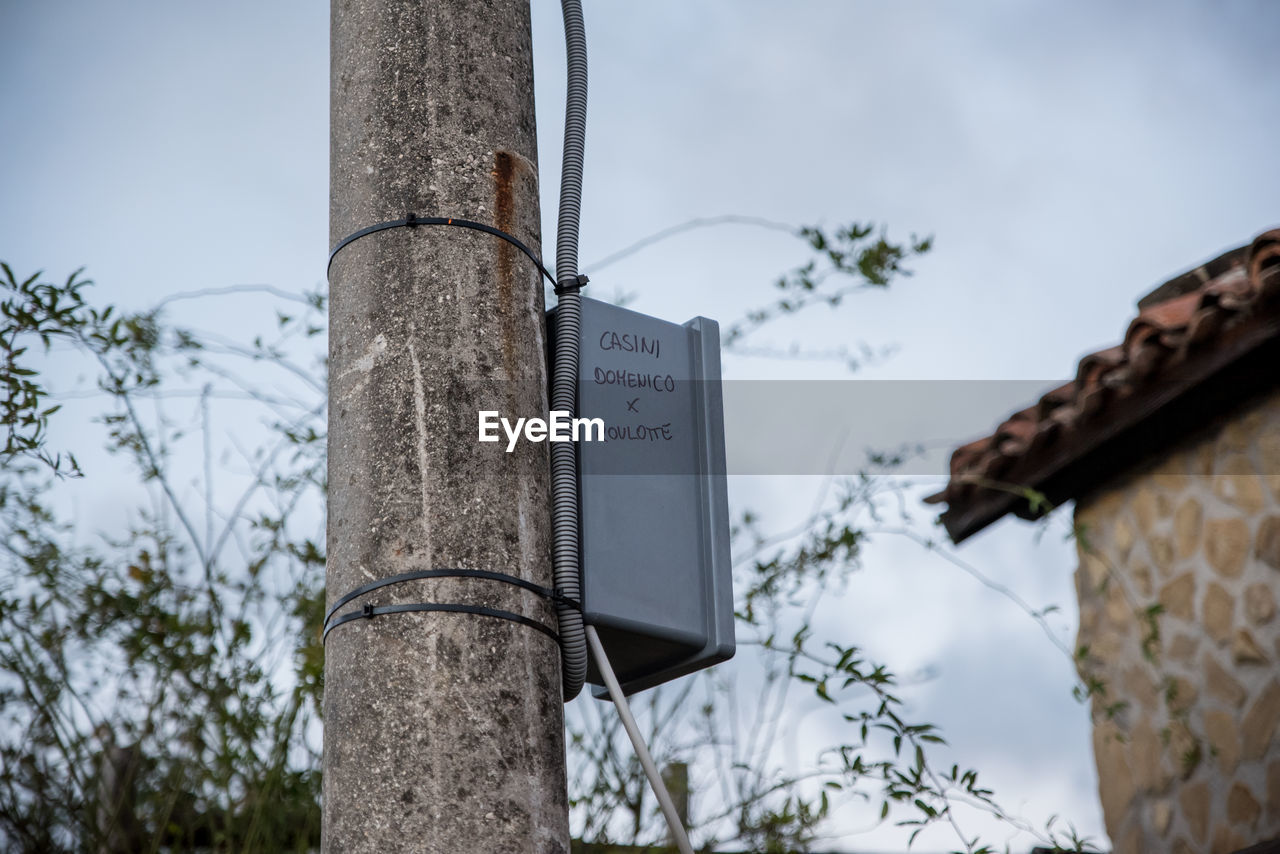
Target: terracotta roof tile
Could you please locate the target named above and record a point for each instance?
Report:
(1198, 324)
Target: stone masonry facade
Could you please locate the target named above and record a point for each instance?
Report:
(1178, 583)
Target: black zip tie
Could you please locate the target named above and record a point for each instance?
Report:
(412, 220)
(561, 598)
(368, 611)
(576, 284)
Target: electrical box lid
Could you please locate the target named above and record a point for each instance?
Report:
(656, 570)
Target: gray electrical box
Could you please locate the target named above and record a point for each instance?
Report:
(656, 571)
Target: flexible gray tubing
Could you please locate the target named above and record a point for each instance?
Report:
(564, 359)
(574, 635)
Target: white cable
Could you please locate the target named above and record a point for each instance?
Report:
(637, 741)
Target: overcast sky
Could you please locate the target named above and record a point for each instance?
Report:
(1067, 157)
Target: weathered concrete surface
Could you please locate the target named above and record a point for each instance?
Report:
(443, 732)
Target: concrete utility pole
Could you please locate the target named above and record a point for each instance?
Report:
(443, 732)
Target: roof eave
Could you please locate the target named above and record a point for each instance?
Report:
(1186, 396)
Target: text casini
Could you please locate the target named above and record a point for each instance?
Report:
(628, 343)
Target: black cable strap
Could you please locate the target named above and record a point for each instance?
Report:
(369, 611)
(574, 285)
(412, 220)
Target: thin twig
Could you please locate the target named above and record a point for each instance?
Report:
(200, 293)
(688, 225)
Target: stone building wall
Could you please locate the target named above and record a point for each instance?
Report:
(1178, 582)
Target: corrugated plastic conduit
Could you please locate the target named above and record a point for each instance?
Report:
(574, 633)
(564, 359)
